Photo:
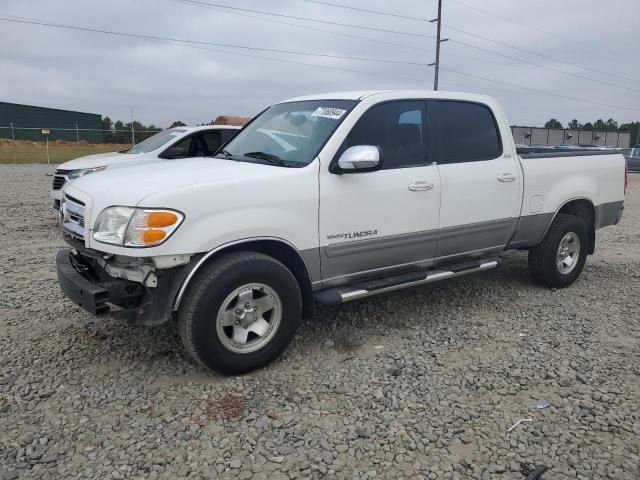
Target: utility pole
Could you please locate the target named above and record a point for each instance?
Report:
(438, 42)
(133, 132)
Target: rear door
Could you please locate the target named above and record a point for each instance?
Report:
(372, 223)
(480, 175)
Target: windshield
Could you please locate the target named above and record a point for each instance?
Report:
(289, 134)
(156, 141)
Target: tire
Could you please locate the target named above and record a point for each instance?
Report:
(552, 267)
(222, 317)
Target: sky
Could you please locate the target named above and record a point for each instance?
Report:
(166, 81)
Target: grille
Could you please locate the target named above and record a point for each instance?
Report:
(59, 179)
(72, 217)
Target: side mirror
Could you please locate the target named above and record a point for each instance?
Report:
(174, 152)
(359, 159)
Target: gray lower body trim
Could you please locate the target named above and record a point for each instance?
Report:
(346, 262)
(609, 214)
(530, 230)
(350, 262)
(461, 239)
(311, 258)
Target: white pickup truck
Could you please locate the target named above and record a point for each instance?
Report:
(169, 144)
(326, 199)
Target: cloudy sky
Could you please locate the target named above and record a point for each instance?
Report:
(166, 81)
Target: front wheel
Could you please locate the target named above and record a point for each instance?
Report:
(240, 312)
(559, 259)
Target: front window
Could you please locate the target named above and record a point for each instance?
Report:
(157, 141)
(289, 134)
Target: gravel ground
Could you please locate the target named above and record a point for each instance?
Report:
(422, 383)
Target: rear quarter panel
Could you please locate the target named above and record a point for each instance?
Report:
(598, 178)
(551, 182)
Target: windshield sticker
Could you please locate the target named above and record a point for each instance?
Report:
(328, 112)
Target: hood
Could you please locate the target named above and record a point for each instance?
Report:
(129, 186)
(99, 160)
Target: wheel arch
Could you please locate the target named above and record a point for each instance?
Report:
(582, 208)
(277, 248)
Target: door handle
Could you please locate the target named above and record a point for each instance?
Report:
(506, 177)
(420, 186)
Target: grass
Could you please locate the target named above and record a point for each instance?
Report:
(59, 152)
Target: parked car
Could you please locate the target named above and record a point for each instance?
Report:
(179, 142)
(327, 199)
(633, 159)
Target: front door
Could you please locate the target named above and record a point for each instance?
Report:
(481, 180)
(376, 223)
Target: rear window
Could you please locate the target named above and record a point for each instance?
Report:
(466, 132)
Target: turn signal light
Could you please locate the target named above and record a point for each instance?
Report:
(161, 219)
(150, 227)
(151, 237)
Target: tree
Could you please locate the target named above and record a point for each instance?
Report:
(553, 123)
(612, 125)
(107, 127)
(121, 134)
(587, 126)
(177, 124)
(600, 125)
(574, 125)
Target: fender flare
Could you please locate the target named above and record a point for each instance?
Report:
(595, 213)
(204, 258)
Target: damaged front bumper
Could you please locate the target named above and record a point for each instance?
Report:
(85, 281)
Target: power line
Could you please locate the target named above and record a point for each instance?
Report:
(542, 92)
(366, 10)
(318, 29)
(571, 74)
(531, 52)
(464, 32)
(273, 59)
(195, 42)
(305, 19)
(507, 19)
(307, 27)
(200, 44)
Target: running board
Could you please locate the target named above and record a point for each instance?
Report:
(338, 295)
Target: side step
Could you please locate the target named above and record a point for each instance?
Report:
(337, 295)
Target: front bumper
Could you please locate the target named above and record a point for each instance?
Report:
(84, 285)
(87, 284)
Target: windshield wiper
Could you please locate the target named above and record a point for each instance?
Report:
(267, 156)
(226, 154)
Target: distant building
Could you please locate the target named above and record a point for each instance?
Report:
(231, 120)
(29, 122)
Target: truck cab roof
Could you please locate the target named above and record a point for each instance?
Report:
(362, 94)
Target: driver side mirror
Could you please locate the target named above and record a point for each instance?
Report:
(174, 152)
(359, 159)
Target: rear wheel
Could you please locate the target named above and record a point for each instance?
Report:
(240, 312)
(559, 259)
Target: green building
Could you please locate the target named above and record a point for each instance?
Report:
(38, 123)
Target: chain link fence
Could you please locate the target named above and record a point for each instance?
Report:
(58, 145)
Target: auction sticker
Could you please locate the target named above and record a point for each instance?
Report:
(328, 112)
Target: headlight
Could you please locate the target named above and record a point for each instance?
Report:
(135, 227)
(73, 174)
